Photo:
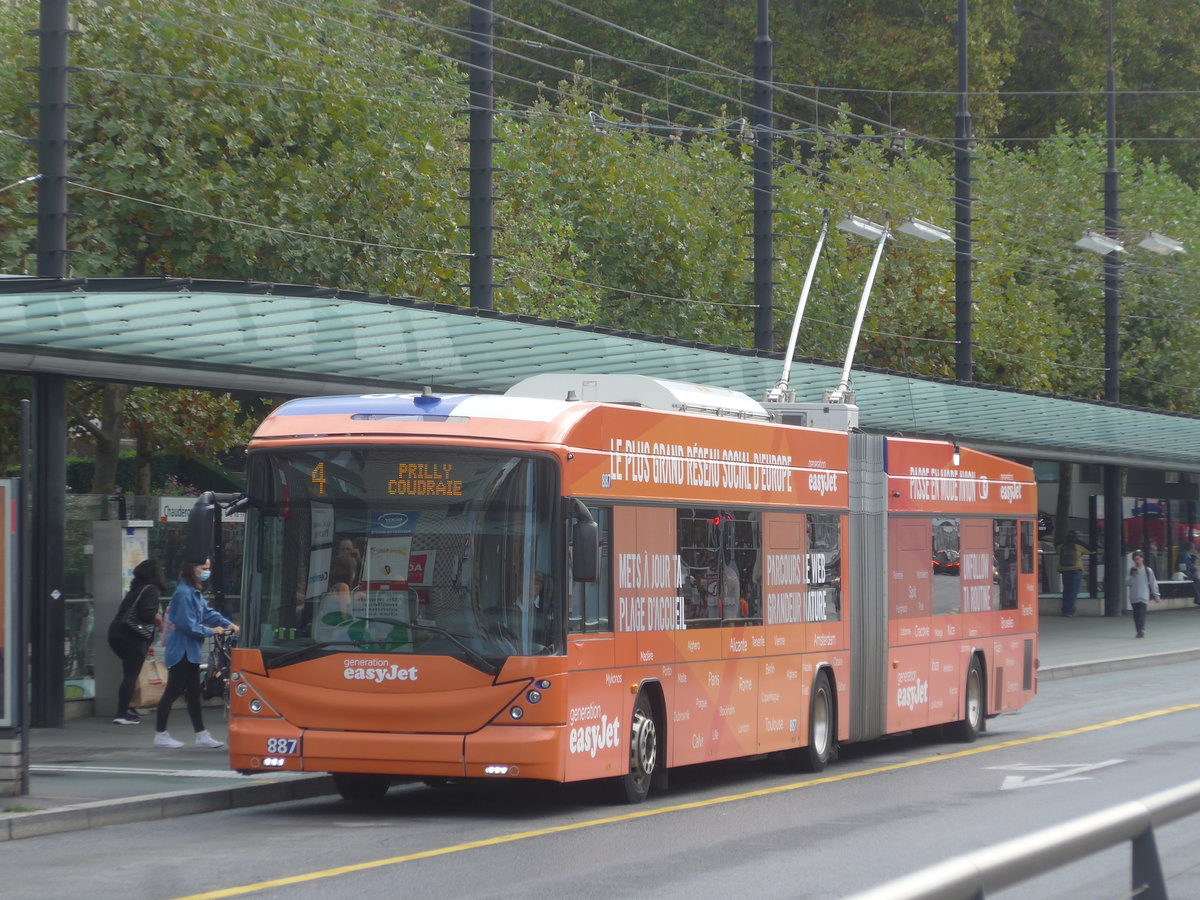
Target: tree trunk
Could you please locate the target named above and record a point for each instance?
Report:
(1062, 510)
(143, 468)
(108, 437)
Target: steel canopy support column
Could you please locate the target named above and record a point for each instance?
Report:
(49, 607)
(764, 210)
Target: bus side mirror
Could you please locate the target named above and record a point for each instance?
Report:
(585, 551)
(198, 545)
(585, 543)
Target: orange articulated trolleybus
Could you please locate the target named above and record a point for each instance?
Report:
(609, 576)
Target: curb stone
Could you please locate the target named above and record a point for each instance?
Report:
(1053, 673)
(149, 807)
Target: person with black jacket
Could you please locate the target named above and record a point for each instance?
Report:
(146, 592)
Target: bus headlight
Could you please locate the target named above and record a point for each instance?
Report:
(255, 705)
(516, 712)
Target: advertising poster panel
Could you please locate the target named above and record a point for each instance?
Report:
(8, 592)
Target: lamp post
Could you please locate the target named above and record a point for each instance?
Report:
(763, 119)
(1110, 247)
(1113, 507)
(963, 261)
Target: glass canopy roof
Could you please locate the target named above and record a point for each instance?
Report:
(295, 340)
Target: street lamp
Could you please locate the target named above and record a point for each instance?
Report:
(1109, 247)
(1095, 242)
(923, 230)
(1160, 244)
(864, 228)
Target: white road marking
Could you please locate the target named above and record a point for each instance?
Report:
(1059, 774)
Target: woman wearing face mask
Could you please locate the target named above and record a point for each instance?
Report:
(190, 620)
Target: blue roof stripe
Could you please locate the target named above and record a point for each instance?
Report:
(374, 404)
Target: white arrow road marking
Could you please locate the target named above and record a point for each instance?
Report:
(1054, 774)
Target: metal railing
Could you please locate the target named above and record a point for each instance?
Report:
(973, 875)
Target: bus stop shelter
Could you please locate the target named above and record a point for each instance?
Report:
(295, 340)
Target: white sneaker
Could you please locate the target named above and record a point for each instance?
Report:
(204, 739)
(162, 739)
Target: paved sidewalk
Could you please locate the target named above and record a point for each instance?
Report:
(91, 772)
(1083, 645)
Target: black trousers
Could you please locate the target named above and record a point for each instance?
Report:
(1139, 616)
(132, 653)
(182, 678)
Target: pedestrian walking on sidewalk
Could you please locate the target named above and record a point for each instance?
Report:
(190, 620)
(1071, 553)
(1143, 587)
(1188, 567)
(145, 592)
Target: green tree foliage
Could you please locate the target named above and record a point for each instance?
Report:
(604, 225)
(186, 423)
(1062, 58)
(312, 140)
(215, 138)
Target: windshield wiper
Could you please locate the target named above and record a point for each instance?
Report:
(303, 652)
(480, 661)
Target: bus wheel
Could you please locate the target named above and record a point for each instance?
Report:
(821, 737)
(360, 788)
(634, 786)
(969, 726)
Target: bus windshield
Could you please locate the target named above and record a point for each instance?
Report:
(401, 550)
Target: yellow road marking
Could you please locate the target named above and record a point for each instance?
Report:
(679, 807)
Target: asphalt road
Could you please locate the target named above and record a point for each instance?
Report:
(881, 811)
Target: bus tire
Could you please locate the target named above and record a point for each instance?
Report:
(360, 788)
(970, 725)
(821, 725)
(822, 731)
(644, 757)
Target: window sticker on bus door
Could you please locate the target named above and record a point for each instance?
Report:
(980, 593)
(648, 592)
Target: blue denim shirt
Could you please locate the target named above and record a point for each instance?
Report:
(189, 621)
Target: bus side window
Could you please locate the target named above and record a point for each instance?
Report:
(720, 559)
(824, 568)
(589, 606)
(947, 561)
(1028, 549)
(1005, 554)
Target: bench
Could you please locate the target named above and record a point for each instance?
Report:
(1175, 587)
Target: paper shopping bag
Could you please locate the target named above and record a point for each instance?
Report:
(151, 683)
